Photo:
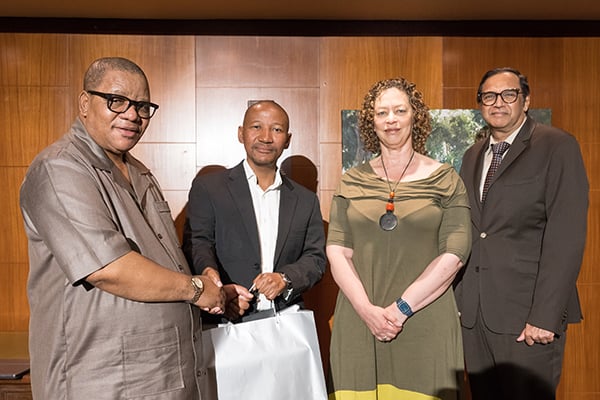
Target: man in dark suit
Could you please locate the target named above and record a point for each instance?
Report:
(517, 292)
(251, 227)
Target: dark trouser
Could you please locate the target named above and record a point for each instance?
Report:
(500, 368)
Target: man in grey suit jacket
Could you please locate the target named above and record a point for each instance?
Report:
(517, 292)
(251, 227)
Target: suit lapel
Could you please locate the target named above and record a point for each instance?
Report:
(484, 145)
(517, 147)
(240, 192)
(287, 206)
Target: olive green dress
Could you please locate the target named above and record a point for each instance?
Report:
(425, 361)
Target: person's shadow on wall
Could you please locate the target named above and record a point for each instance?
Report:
(320, 298)
(180, 219)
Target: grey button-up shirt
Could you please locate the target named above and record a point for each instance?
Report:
(81, 214)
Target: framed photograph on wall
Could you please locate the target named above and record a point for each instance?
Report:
(452, 132)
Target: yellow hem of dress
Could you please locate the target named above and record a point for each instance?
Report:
(383, 392)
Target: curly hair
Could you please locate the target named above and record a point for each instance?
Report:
(421, 123)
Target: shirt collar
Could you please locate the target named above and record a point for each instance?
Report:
(251, 176)
(510, 139)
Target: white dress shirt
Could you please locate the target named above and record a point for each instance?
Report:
(266, 211)
(489, 155)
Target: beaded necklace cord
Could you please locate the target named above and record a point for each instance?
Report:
(389, 221)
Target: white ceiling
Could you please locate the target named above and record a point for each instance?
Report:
(406, 10)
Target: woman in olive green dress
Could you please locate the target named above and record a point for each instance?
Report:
(399, 232)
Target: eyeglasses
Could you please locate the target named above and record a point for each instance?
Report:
(509, 96)
(120, 104)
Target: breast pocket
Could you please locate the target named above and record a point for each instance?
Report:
(152, 363)
(523, 197)
(165, 219)
(522, 180)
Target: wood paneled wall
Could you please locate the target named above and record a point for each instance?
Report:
(203, 84)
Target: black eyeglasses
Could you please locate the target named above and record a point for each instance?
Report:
(509, 96)
(120, 104)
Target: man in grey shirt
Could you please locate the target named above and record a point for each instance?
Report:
(114, 307)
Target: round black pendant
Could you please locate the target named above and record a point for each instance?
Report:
(388, 221)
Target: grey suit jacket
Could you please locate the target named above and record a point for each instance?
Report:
(529, 236)
(221, 231)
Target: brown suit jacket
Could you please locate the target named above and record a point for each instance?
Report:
(529, 236)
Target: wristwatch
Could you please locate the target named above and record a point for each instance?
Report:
(287, 292)
(198, 286)
(404, 307)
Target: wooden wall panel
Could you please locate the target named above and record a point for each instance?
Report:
(33, 60)
(254, 61)
(30, 120)
(582, 356)
(33, 78)
(14, 313)
(331, 172)
(234, 70)
(13, 245)
(174, 166)
(168, 61)
(460, 97)
(467, 59)
(32, 81)
(581, 85)
(321, 299)
(221, 111)
(350, 66)
(590, 273)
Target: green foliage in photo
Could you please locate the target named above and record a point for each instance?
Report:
(452, 133)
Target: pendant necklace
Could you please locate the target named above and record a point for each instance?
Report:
(389, 221)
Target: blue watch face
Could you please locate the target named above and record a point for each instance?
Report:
(404, 307)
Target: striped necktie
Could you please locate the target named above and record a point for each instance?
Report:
(498, 150)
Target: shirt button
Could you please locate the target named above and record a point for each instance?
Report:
(476, 269)
(483, 235)
(159, 235)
